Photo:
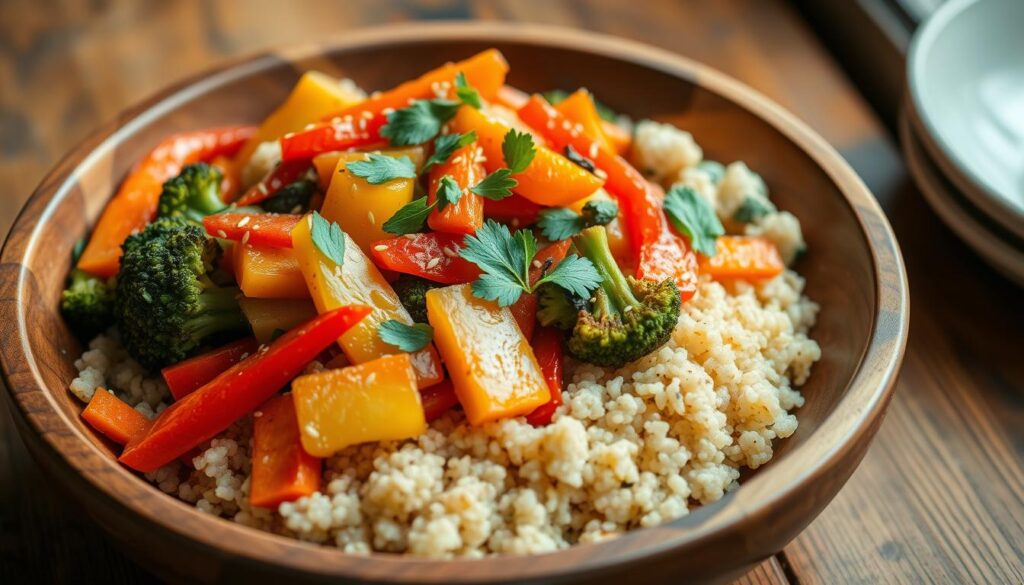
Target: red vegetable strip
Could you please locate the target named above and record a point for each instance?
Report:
(547, 348)
(212, 408)
(424, 255)
(516, 210)
(281, 470)
(342, 134)
(657, 251)
(524, 310)
(186, 376)
(134, 205)
(281, 176)
(466, 216)
(229, 185)
(109, 415)
(264, 229)
(438, 399)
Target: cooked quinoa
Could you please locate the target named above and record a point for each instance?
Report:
(629, 448)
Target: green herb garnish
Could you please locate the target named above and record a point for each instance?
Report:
(328, 238)
(446, 145)
(466, 93)
(380, 168)
(560, 223)
(411, 217)
(694, 218)
(518, 150)
(419, 122)
(405, 337)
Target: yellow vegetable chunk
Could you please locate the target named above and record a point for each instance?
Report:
(315, 95)
(266, 272)
(266, 316)
(374, 401)
(361, 208)
(327, 162)
(617, 241)
(358, 282)
(491, 364)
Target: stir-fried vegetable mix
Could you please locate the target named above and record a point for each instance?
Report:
(452, 239)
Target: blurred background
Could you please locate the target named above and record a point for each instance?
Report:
(940, 496)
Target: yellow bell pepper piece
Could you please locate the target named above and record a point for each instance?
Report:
(617, 241)
(374, 401)
(359, 282)
(361, 208)
(266, 316)
(491, 364)
(315, 95)
(326, 163)
(266, 272)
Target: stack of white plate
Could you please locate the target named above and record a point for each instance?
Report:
(962, 125)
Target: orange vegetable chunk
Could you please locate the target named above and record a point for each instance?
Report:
(111, 416)
(266, 316)
(743, 257)
(282, 471)
(267, 272)
(373, 401)
(325, 163)
(491, 364)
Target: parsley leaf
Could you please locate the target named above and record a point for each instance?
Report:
(410, 218)
(694, 218)
(328, 238)
(495, 186)
(518, 150)
(405, 337)
(448, 192)
(380, 168)
(466, 93)
(559, 223)
(575, 274)
(419, 122)
(446, 145)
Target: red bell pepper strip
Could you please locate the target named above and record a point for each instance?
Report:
(438, 399)
(516, 210)
(547, 348)
(351, 131)
(617, 136)
(466, 216)
(524, 310)
(186, 376)
(135, 204)
(229, 184)
(220, 402)
(658, 252)
(264, 229)
(433, 255)
(282, 471)
(109, 415)
(282, 175)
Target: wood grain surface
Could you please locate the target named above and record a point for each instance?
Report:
(939, 496)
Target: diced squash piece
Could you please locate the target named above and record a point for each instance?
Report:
(617, 240)
(267, 316)
(114, 418)
(315, 95)
(361, 208)
(267, 272)
(373, 401)
(282, 471)
(490, 362)
(326, 163)
(744, 258)
(359, 282)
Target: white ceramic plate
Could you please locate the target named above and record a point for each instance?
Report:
(1000, 248)
(965, 74)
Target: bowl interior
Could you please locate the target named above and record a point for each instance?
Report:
(840, 266)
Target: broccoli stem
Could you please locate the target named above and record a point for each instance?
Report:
(617, 294)
(220, 312)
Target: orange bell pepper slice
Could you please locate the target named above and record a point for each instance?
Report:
(282, 471)
(551, 179)
(617, 137)
(466, 216)
(115, 419)
(135, 203)
(743, 258)
(186, 376)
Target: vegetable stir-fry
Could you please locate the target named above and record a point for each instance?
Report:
(445, 244)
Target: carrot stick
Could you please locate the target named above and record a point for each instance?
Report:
(112, 417)
(281, 470)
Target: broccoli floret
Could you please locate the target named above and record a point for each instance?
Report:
(293, 198)
(599, 212)
(557, 307)
(412, 291)
(165, 303)
(88, 304)
(627, 318)
(193, 194)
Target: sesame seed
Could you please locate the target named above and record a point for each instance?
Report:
(380, 248)
(366, 115)
(262, 188)
(245, 238)
(311, 430)
(410, 236)
(627, 309)
(369, 216)
(371, 378)
(593, 149)
(600, 173)
(449, 252)
(537, 264)
(255, 227)
(433, 262)
(241, 223)
(257, 414)
(222, 234)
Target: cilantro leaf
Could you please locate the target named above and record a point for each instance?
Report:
(446, 145)
(466, 93)
(328, 238)
(380, 168)
(495, 186)
(694, 218)
(575, 274)
(448, 192)
(410, 218)
(559, 223)
(419, 122)
(518, 150)
(405, 337)
(492, 287)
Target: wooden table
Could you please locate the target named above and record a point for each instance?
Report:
(939, 497)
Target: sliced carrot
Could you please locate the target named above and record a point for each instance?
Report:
(466, 216)
(579, 109)
(109, 415)
(744, 258)
(617, 136)
(281, 470)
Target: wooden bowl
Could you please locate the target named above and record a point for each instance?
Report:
(853, 268)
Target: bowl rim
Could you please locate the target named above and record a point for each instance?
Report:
(855, 416)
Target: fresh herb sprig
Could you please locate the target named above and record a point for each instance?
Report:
(328, 237)
(411, 217)
(466, 93)
(378, 169)
(694, 218)
(405, 337)
(446, 145)
(518, 150)
(560, 223)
